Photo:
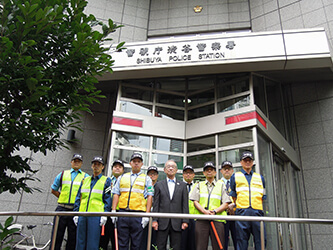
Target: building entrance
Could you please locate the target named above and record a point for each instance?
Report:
(197, 119)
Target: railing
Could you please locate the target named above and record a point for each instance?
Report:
(172, 215)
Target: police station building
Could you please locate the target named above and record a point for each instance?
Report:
(206, 80)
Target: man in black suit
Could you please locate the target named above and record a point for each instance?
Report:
(170, 196)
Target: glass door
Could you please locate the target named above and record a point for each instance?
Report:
(282, 193)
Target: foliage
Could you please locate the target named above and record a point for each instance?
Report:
(50, 55)
(5, 230)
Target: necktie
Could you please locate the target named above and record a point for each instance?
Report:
(228, 185)
(189, 187)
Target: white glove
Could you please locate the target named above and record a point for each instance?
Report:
(103, 220)
(145, 221)
(76, 220)
(114, 218)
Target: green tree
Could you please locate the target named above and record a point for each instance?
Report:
(50, 55)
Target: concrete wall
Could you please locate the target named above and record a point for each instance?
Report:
(313, 106)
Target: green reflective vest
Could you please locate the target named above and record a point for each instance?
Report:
(191, 207)
(212, 200)
(92, 199)
(69, 188)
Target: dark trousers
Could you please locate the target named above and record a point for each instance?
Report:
(108, 234)
(129, 228)
(175, 238)
(246, 228)
(188, 237)
(204, 230)
(65, 222)
(230, 226)
(144, 240)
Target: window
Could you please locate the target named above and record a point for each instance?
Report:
(199, 144)
(235, 137)
(135, 108)
(165, 144)
(136, 93)
(132, 140)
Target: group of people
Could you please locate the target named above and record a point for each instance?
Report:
(240, 193)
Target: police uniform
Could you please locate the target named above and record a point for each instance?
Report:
(210, 196)
(249, 188)
(68, 182)
(144, 241)
(230, 225)
(188, 235)
(133, 190)
(94, 195)
(109, 227)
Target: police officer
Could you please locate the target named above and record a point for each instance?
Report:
(152, 172)
(188, 235)
(65, 187)
(248, 192)
(133, 192)
(209, 197)
(94, 195)
(117, 170)
(230, 226)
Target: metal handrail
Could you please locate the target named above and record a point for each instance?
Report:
(261, 219)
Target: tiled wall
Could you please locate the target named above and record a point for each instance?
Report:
(313, 105)
(270, 15)
(133, 14)
(92, 141)
(175, 17)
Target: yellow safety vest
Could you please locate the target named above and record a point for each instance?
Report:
(68, 188)
(92, 199)
(132, 197)
(249, 195)
(214, 198)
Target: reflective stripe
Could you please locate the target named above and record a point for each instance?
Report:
(259, 190)
(124, 190)
(238, 189)
(135, 190)
(76, 182)
(204, 195)
(66, 182)
(215, 196)
(97, 191)
(93, 191)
